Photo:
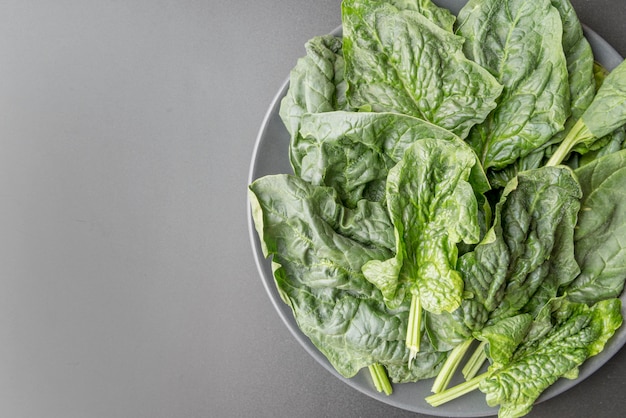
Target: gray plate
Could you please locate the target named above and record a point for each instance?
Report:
(270, 156)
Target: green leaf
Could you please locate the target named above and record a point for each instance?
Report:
(579, 58)
(400, 61)
(307, 230)
(605, 114)
(353, 152)
(440, 16)
(579, 332)
(449, 329)
(600, 237)
(432, 207)
(582, 87)
(615, 141)
(606, 319)
(607, 111)
(426, 364)
(317, 254)
(522, 260)
(520, 43)
(316, 83)
(504, 337)
(536, 225)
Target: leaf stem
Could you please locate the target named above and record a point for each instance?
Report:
(380, 378)
(455, 391)
(413, 334)
(475, 362)
(449, 367)
(579, 133)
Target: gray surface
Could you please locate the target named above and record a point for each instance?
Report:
(128, 286)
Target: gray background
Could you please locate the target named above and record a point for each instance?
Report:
(128, 286)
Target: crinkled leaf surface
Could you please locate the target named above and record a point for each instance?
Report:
(579, 58)
(316, 83)
(600, 237)
(354, 151)
(539, 218)
(312, 235)
(520, 43)
(400, 61)
(582, 87)
(578, 332)
(616, 141)
(442, 17)
(524, 258)
(432, 207)
(318, 248)
(504, 337)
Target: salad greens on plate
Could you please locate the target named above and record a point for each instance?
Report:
(457, 197)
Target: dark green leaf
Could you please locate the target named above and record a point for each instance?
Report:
(607, 111)
(400, 61)
(582, 87)
(601, 233)
(524, 258)
(317, 254)
(304, 227)
(354, 151)
(537, 227)
(520, 43)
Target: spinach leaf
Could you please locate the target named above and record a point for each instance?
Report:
(354, 151)
(354, 332)
(400, 61)
(425, 190)
(498, 179)
(440, 16)
(600, 238)
(538, 230)
(599, 74)
(520, 43)
(310, 234)
(579, 58)
(579, 332)
(605, 114)
(522, 261)
(615, 141)
(504, 337)
(575, 332)
(607, 111)
(316, 83)
(581, 69)
(432, 207)
(317, 250)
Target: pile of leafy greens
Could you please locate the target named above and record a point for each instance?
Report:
(457, 182)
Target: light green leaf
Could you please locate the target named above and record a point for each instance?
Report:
(579, 332)
(316, 83)
(432, 208)
(440, 16)
(504, 337)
